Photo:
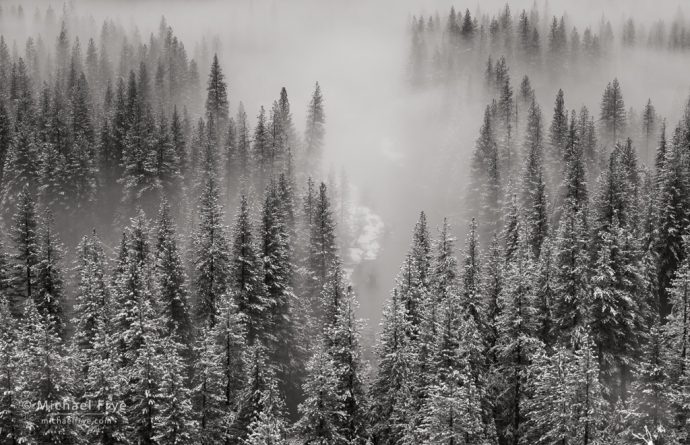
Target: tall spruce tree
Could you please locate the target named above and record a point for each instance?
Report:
(171, 279)
(25, 238)
(613, 116)
(247, 278)
(216, 101)
(211, 254)
(50, 288)
(315, 131)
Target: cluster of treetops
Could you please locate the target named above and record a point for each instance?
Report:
(441, 48)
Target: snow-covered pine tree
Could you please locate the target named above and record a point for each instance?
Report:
(174, 417)
(319, 419)
(558, 132)
(651, 399)
(534, 197)
(516, 344)
(278, 281)
(216, 101)
(97, 375)
(567, 402)
(25, 238)
(246, 280)
(314, 132)
(421, 249)
(574, 186)
(167, 162)
(171, 280)
(649, 128)
(676, 334)
(211, 257)
(259, 395)
(322, 250)
(617, 308)
(453, 411)
(12, 424)
(572, 270)
(49, 296)
(613, 116)
(93, 306)
(390, 390)
(261, 151)
(45, 376)
(6, 135)
(486, 179)
(134, 297)
(243, 144)
(344, 347)
(672, 220)
(471, 298)
(208, 388)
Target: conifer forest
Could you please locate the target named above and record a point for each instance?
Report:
(345, 222)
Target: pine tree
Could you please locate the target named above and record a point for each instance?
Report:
(20, 168)
(261, 150)
(315, 131)
(613, 118)
(259, 395)
(617, 307)
(485, 177)
(175, 416)
(216, 100)
(208, 386)
(12, 426)
(50, 293)
(145, 376)
(534, 197)
(167, 163)
(170, 279)
(515, 346)
(45, 376)
(211, 254)
(558, 133)
(650, 403)
(343, 342)
(672, 221)
(575, 176)
(322, 246)
(421, 249)
(135, 312)
(5, 139)
(320, 415)
(246, 277)
(453, 411)
(545, 293)
(389, 393)
(567, 403)
(471, 297)
(649, 127)
(278, 280)
(571, 279)
(243, 142)
(25, 260)
(676, 333)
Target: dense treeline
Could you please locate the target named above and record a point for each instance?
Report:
(566, 319)
(202, 290)
(201, 332)
(441, 48)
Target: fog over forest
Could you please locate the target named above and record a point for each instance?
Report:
(345, 222)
